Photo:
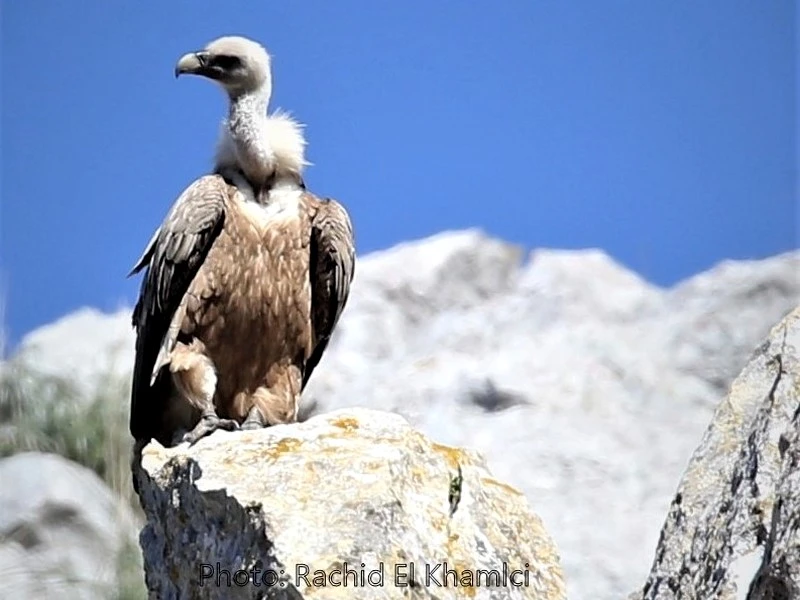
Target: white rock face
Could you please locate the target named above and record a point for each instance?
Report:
(61, 530)
(602, 383)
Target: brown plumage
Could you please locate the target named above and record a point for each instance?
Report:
(236, 308)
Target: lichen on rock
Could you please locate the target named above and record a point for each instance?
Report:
(355, 491)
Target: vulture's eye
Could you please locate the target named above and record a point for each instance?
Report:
(227, 63)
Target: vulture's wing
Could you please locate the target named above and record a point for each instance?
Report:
(173, 257)
(331, 270)
(144, 259)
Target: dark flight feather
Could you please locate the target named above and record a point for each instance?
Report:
(173, 257)
(331, 270)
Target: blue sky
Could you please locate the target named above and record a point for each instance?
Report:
(664, 131)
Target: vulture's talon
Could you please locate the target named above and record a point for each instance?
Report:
(209, 424)
(254, 420)
(251, 425)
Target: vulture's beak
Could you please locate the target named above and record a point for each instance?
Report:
(194, 63)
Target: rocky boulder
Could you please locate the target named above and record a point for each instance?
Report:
(352, 504)
(733, 529)
(62, 532)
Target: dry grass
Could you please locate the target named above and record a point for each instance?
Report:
(47, 414)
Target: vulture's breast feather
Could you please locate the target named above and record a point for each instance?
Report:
(253, 293)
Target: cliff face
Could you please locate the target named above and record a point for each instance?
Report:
(583, 385)
(734, 524)
(353, 504)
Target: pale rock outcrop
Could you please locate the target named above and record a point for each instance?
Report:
(61, 530)
(733, 529)
(89, 347)
(396, 292)
(582, 384)
(589, 283)
(344, 489)
(715, 318)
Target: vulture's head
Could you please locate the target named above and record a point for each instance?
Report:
(238, 64)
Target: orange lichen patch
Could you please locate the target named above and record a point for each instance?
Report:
(344, 427)
(375, 465)
(454, 456)
(440, 523)
(503, 486)
(282, 446)
(467, 580)
(346, 423)
(454, 571)
(417, 475)
(227, 460)
(343, 438)
(457, 576)
(451, 539)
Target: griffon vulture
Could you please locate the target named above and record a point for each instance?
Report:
(246, 277)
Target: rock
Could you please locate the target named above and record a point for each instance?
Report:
(718, 316)
(589, 282)
(582, 384)
(351, 488)
(733, 529)
(88, 347)
(61, 529)
(399, 290)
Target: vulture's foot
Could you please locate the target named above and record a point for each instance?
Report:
(207, 425)
(254, 420)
